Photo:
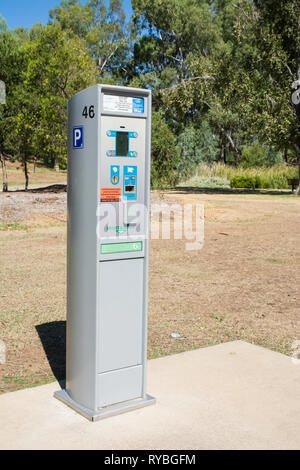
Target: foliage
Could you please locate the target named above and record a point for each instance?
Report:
(247, 182)
(164, 154)
(58, 67)
(275, 177)
(260, 155)
(3, 25)
(195, 146)
(169, 34)
(220, 71)
(12, 63)
(262, 181)
(244, 85)
(103, 28)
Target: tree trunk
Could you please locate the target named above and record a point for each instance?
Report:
(284, 155)
(223, 153)
(297, 147)
(222, 149)
(232, 144)
(4, 173)
(25, 172)
(298, 190)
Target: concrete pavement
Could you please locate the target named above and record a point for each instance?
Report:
(230, 396)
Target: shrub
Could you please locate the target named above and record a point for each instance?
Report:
(247, 182)
(275, 177)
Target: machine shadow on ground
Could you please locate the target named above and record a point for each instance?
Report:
(53, 339)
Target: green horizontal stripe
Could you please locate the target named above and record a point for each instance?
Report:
(121, 247)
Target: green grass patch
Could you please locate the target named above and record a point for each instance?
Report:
(14, 226)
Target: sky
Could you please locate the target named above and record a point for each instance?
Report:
(28, 12)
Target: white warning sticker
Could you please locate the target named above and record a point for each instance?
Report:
(123, 104)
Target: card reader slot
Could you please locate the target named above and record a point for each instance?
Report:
(130, 188)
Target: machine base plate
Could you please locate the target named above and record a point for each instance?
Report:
(107, 411)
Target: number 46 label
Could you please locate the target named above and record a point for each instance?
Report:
(89, 112)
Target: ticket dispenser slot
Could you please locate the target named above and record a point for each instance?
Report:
(107, 251)
(130, 182)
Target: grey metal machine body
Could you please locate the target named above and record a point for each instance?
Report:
(109, 140)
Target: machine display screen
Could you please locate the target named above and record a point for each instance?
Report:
(122, 141)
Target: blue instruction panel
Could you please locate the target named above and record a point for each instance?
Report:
(129, 182)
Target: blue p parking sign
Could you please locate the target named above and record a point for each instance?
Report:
(78, 137)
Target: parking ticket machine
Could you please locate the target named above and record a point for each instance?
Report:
(109, 139)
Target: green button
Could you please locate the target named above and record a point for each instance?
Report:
(121, 247)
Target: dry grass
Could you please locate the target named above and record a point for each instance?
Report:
(219, 175)
(42, 175)
(244, 283)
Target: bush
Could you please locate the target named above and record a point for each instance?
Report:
(247, 182)
(275, 177)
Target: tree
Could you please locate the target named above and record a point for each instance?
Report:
(277, 34)
(103, 28)
(12, 62)
(72, 17)
(260, 155)
(244, 87)
(195, 146)
(221, 72)
(108, 38)
(164, 153)
(170, 35)
(3, 24)
(58, 67)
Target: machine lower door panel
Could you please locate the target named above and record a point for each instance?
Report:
(120, 320)
(119, 385)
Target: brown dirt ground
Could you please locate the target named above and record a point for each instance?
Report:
(243, 284)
